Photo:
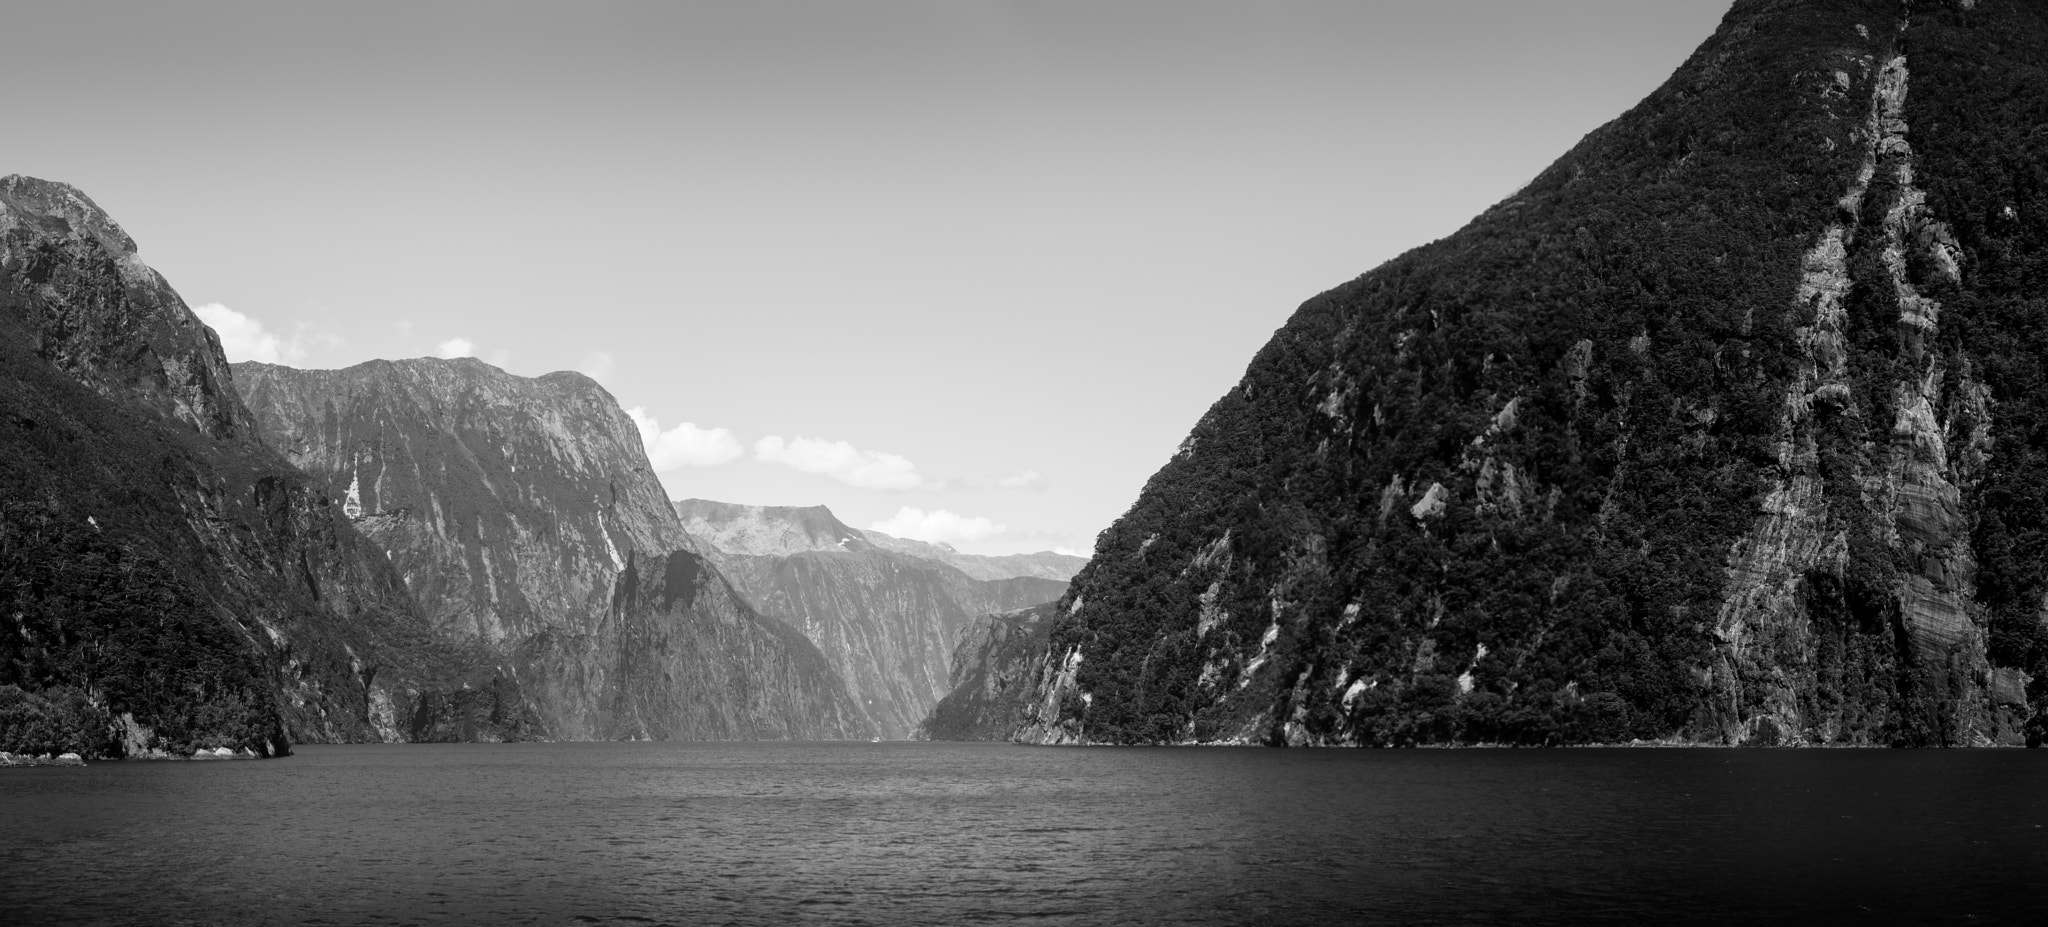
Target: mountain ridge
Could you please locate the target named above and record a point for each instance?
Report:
(1676, 442)
(886, 618)
(525, 516)
(757, 530)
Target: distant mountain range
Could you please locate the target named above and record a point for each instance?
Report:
(887, 612)
(525, 518)
(769, 529)
(196, 556)
(465, 555)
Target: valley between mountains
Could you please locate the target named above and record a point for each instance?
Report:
(203, 557)
(1730, 427)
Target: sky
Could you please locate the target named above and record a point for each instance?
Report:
(963, 271)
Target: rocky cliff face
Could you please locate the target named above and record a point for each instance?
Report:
(168, 582)
(1724, 429)
(95, 311)
(507, 501)
(994, 667)
(524, 518)
(888, 621)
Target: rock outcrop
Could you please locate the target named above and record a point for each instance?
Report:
(888, 621)
(1720, 430)
(103, 317)
(43, 759)
(526, 521)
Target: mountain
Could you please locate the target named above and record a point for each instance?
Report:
(767, 530)
(993, 668)
(167, 582)
(1043, 564)
(526, 521)
(1729, 427)
(778, 530)
(887, 620)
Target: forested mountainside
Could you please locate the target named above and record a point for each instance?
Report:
(993, 668)
(888, 621)
(166, 582)
(1730, 427)
(526, 521)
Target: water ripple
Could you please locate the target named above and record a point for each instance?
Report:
(756, 834)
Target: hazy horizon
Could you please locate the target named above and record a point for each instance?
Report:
(963, 272)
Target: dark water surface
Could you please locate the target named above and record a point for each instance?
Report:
(969, 833)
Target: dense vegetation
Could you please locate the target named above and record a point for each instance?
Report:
(163, 587)
(98, 620)
(100, 628)
(1488, 491)
(1982, 85)
(991, 677)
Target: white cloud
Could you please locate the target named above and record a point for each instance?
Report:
(1070, 552)
(1029, 479)
(243, 338)
(937, 526)
(456, 347)
(685, 445)
(840, 461)
(597, 365)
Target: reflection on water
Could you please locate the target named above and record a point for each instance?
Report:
(906, 833)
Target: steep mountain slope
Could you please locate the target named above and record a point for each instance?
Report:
(888, 621)
(993, 668)
(166, 582)
(1726, 428)
(524, 517)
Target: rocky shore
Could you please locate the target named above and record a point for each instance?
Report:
(23, 759)
(199, 753)
(73, 759)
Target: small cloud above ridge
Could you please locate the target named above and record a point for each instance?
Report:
(244, 338)
(685, 445)
(840, 461)
(1029, 479)
(938, 526)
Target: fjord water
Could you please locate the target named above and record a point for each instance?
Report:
(909, 833)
